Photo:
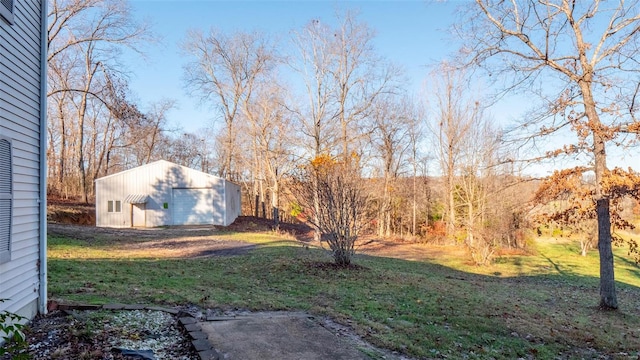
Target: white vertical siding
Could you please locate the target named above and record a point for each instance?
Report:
(232, 202)
(20, 102)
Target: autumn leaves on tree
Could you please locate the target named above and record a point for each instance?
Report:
(578, 56)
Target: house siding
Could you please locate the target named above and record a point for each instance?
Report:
(232, 202)
(157, 180)
(20, 121)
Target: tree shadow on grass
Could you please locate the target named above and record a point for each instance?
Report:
(407, 297)
(232, 251)
(556, 266)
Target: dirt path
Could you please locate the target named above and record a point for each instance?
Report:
(208, 240)
(171, 242)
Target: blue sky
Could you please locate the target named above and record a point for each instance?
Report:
(410, 33)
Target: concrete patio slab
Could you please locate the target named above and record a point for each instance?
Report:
(281, 336)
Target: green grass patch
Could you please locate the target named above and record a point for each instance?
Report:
(535, 306)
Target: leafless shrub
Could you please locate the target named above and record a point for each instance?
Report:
(331, 194)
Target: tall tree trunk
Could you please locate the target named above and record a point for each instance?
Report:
(317, 236)
(255, 174)
(387, 219)
(152, 145)
(275, 201)
(229, 151)
(63, 151)
(107, 157)
(345, 141)
(383, 224)
(608, 299)
(262, 205)
(257, 203)
(413, 215)
(80, 147)
(470, 224)
(451, 211)
(106, 145)
(51, 156)
(82, 110)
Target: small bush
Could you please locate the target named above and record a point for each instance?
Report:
(332, 193)
(11, 330)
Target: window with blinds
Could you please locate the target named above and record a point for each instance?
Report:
(111, 208)
(6, 198)
(6, 10)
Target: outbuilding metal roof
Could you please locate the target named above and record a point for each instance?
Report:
(136, 199)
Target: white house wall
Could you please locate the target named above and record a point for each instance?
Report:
(232, 202)
(157, 180)
(20, 103)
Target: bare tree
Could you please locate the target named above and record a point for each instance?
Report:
(359, 77)
(85, 39)
(586, 52)
(59, 114)
(472, 189)
(416, 137)
(224, 70)
(393, 121)
(269, 131)
(74, 23)
(342, 203)
(91, 67)
(313, 62)
(146, 132)
(186, 149)
(343, 76)
(455, 116)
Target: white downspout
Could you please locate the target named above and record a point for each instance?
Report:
(44, 37)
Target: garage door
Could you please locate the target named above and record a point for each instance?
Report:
(192, 206)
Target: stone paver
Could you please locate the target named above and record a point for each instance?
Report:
(192, 327)
(114, 306)
(209, 355)
(198, 335)
(187, 320)
(201, 345)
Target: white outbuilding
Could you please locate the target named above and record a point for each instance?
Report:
(163, 193)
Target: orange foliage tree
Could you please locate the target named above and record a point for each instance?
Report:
(570, 186)
(331, 192)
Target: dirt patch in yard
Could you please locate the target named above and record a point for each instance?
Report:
(77, 221)
(172, 242)
(410, 251)
(209, 240)
(71, 212)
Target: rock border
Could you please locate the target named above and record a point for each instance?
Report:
(199, 340)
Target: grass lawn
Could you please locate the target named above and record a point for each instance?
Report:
(536, 306)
